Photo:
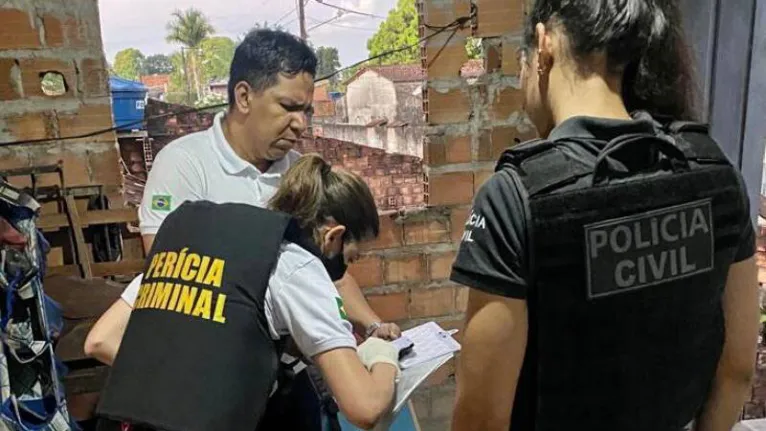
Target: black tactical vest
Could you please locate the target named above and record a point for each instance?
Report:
(629, 252)
(197, 354)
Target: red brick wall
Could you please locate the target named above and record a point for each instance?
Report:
(63, 37)
(396, 180)
(405, 274)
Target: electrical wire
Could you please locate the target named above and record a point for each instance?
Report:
(314, 20)
(455, 26)
(329, 21)
(350, 10)
(285, 15)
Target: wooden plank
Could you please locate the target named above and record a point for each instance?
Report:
(80, 298)
(70, 346)
(123, 267)
(83, 257)
(100, 269)
(65, 270)
(86, 380)
(89, 218)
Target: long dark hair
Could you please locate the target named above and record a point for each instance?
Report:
(642, 38)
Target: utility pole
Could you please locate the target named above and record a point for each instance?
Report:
(302, 19)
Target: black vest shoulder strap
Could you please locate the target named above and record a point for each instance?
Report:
(695, 141)
(543, 165)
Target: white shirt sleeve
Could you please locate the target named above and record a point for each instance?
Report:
(130, 293)
(302, 301)
(175, 177)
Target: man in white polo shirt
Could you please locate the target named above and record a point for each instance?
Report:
(239, 160)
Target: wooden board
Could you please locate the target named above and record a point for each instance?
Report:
(101, 269)
(88, 218)
(81, 249)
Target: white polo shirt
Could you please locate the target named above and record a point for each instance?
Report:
(203, 166)
(301, 300)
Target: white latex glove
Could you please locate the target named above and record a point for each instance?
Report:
(375, 351)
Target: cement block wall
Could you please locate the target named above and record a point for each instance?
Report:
(405, 274)
(41, 36)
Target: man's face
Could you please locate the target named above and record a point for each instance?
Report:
(278, 116)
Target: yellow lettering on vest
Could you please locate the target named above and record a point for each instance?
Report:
(153, 264)
(162, 295)
(158, 266)
(204, 303)
(170, 260)
(220, 303)
(202, 269)
(215, 275)
(141, 295)
(191, 263)
(156, 297)
(186, 301)
(174, 297)
(180, 263)
(148, 296)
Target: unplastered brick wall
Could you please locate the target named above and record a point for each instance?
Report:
(405, 273)
(396, 180)
(54, 83)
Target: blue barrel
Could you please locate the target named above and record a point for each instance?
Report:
(128, 103)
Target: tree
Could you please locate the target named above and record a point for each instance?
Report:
(158, 63)
(261, 26)
(178, 88)
(129, 63)
(189, 28)
(398, 30)
(329, 63)
(216, 54)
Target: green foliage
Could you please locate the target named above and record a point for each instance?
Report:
(216, 54)
(329, 63)
(178, 88)
(398, 30)
(259, 26)
(189, 28)
(210, 99)
(473, 48)
(158, 63)
(129, 64)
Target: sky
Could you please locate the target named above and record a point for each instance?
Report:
(142, 23)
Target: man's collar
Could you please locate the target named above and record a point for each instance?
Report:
(234, 164)
(231, 162)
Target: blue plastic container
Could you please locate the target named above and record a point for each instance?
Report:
(128, 103)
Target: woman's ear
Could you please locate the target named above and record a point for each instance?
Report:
(544, 49)
(333, 239)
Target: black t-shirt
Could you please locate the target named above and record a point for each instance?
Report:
(493, 253)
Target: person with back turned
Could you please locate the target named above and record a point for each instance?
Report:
(225, 285)
(613, 284)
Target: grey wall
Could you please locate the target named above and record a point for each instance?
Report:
(728, 38)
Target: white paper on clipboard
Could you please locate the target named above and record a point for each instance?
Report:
(431, 342)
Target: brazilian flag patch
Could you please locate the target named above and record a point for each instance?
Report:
(341, 308)
(161, 202)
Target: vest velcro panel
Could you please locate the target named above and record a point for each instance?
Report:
(625, 319)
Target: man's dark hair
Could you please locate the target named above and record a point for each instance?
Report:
(264, 54)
